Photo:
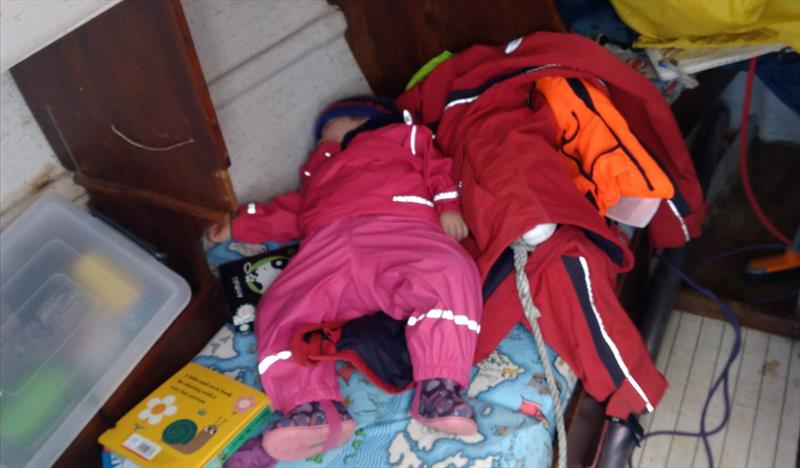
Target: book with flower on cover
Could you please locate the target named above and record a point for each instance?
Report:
(198, 417)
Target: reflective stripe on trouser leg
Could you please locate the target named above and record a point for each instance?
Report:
(425, 277)
(607, 350)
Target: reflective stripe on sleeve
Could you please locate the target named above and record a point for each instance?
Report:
(412, 199)
(677, 214)
(452, 195)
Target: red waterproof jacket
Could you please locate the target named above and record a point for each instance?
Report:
(502, 136)
(453, 91)
(395, 169)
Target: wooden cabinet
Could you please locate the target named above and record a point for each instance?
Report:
(123, 102)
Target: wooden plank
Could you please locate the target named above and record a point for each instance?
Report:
(392, 39)
(694, 302)
(716, 410)
(745, 399)
(789, 433)
(656, 451)
(681, 451)
(178, 234)
(155, 199)
(662, 361)
(123, 99)
(770, 403)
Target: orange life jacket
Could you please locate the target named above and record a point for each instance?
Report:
(603, 157)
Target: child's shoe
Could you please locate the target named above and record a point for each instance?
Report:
(438, 404)
(309, 429)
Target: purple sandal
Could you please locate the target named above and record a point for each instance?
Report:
(438, 404)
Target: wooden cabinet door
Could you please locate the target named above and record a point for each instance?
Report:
(122, 101)
(392, 39)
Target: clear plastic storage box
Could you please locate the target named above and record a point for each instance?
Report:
(80, 305)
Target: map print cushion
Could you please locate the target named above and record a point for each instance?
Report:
(508, 391)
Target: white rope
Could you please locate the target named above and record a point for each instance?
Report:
(149, 148)
(521, 251)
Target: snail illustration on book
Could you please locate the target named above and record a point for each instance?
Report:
(183, 436)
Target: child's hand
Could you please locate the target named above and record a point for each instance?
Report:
(219, 232)
(454, 225)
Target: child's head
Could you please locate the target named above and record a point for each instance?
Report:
(345, 115)
(336, 128)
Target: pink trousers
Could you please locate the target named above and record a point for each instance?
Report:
(407, 267)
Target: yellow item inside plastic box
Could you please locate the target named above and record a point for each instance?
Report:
(105, 281)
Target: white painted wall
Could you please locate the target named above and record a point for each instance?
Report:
(271, 65)
(26, 159)
(28, 25)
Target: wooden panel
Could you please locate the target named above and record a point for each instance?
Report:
(178, 234)
(123, 99)
(178, 345)
(748, 316)
(124, 192)
(392, 39)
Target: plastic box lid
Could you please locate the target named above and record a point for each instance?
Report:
(80, 305)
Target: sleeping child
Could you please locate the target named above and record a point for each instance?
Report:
(379, 214)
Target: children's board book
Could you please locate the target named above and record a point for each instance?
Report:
(245, 280)
(197, 418)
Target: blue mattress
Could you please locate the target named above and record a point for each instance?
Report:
(508, 391)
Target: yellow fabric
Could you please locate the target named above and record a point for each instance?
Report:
(687, 24)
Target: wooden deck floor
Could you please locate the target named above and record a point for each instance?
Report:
(764, 428)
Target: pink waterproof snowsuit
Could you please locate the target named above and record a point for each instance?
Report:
(368, 216)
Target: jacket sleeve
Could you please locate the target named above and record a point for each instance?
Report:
(277, 221)
(591, 331)
(439, 175)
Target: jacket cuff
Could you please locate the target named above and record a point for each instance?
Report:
(242, 226)
(448, 200)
